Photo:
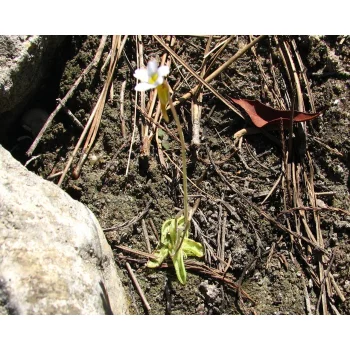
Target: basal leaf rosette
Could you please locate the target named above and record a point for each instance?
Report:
(172, 230)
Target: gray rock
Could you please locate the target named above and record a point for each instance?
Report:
(22, 59)
(24, 62)
(54, 257)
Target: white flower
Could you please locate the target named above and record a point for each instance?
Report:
(150, 77)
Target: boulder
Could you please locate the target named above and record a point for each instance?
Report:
(23, 60)
(54, 257)
(24, 63)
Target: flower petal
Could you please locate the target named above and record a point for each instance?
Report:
(141, 74)
(144, 87)
(152, 68)
(159, 81)
(163, 71)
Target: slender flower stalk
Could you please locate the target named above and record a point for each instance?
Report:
(184, 166)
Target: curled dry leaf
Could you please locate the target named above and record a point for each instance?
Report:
(262, 115)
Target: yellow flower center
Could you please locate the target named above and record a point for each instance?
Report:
(153, 78)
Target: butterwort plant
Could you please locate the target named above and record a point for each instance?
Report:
(174, 234)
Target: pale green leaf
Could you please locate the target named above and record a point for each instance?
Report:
(179, 265)
(160, 255)
(192, 248)
(165, 238)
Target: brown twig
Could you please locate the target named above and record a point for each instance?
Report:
(138, 288)
(305, 78)
(273, 188)
(266, 80)
(223, 239)
(145, 234)
(132, 135)
(136, 252)
(192, 265)
(312, 199)
(314, 209)
(71, 115)
(332, 150)
(336, 287)
(154, 229)
(223, 47)
(218, 238)
(307, 297)
(197, 100)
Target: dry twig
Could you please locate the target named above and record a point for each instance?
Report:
(145, 234)
(138, 288)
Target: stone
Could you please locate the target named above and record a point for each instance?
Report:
(54, 257)
(24, 62)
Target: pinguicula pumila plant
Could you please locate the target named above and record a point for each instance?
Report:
(174, 240)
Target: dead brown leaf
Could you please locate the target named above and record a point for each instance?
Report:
(262, 115)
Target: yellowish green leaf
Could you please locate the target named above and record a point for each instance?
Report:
(179, 265)
(192, 248)
(160, 255)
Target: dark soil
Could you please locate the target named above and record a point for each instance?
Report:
(280, 273)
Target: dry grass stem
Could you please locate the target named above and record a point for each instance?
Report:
(224, 42)
(197, 100)
(122, 118)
